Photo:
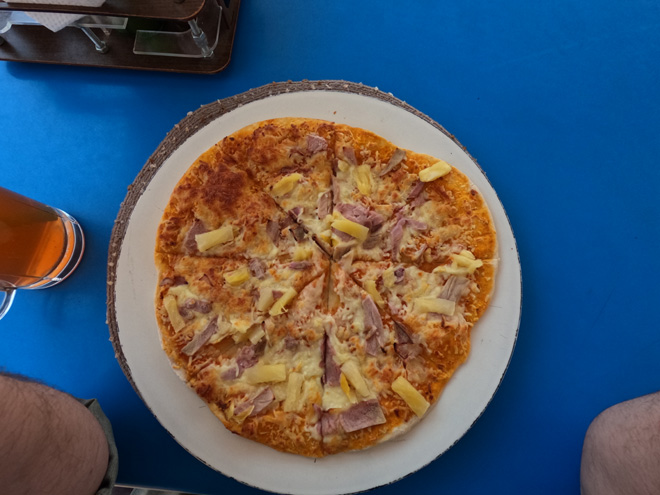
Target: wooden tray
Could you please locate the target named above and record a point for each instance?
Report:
(70, 46)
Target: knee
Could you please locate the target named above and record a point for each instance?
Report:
(621, 451)
(598, 456)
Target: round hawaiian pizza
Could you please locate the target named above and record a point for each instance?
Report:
(318, 285)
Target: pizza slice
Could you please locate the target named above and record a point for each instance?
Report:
(290, 159)
(447, 216)
(370, 170)
(206, 305)
(395, 204)
(434, 311)
(216, 210)
(269, 389)
(369, 396)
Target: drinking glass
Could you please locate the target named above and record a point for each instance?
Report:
(39, 245)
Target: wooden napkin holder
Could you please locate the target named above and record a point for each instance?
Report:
(194, 36)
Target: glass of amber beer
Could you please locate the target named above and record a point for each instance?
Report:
(39, 245)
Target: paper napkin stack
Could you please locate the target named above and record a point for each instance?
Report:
(55, 22)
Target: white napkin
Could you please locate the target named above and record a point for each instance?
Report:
(55, 22)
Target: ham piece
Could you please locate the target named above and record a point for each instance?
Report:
(273, 231)
(336, 192)
(342, 235)
(454, 288)
(362, 215)
(416, 190)
(189, 242)
(332, 370)
(324, 205)
(408, 351)
(298, 233)
(362, 415)
(349, 155)
(277, 294)
(329, 424)
(246, 357)
(419, 200)
(402, 333)
(404, 346)
(300, 265)
(396, 237)
(396, 158)
(260, 402)
(372, 241)
(296, 212)
(173, 282)
(373, 326)
(257, 268)
(316, 143)
(341, 250)
(201, 338)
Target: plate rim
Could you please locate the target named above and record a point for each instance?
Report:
(196, 121)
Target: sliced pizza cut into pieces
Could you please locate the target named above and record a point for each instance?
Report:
(291, 159)
(270, 390)
(216, 210)
(205, 306)
(360, 405)
(433, 311)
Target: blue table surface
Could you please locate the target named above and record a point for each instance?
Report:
(558, 101)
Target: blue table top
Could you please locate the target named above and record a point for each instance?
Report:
(558, 102)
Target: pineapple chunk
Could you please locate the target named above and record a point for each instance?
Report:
(413, 398)
(293, 392)
(355, 378)
(389, 278)
(343, 382)
(237, 277)
(303, 253)
(334, 398)
(326, 235)
(279, 307)
(435, 171)
(207, 240)
(370, 286)
(363, 179)
(286, 184)
(240, 417)
(466, 259)
(256, 333)
(172, 309)
(263, 373)
(452, 269)
(342, 165)
(360, 232)
(462, 264)
(266, 300)
(467, 254)
(434, 305)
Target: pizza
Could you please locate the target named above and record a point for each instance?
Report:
(317, 284)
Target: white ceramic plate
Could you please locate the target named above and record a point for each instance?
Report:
(185, 416)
